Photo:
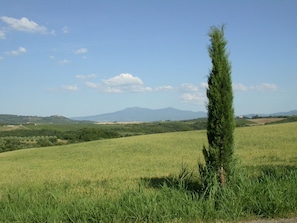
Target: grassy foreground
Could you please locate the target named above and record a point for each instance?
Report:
(135, 179)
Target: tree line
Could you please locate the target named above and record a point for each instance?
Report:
(22, 139)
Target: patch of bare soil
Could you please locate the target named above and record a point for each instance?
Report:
(263, 121)
(11, 127)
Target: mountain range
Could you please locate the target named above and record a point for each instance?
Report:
(289, 113)
(136, 114)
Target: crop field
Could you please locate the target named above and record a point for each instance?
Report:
(56, 181)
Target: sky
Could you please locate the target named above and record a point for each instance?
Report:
(88, 57)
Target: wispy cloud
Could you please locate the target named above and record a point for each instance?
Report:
(239, 87)
(198, 98)
(164, 88)
(264, 87)
(193, 94)
(204, 85)
(20, 50)
(65, 30)
(1, 58)
(52, 57)
(2, 34)
(189, 87)
(70, 87)
(25, 25)
(65, 61)
(81, 51)
(83, 77)
(127, 82)
(91, 85)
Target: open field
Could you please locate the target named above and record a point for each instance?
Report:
(147, 155)
(263, 121)
(106, 169)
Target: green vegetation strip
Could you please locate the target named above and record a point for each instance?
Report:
(150, 178)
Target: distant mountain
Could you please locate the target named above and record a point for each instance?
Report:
(289, 113)
(19, 119)
(136, 114)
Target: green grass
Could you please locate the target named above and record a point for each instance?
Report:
(135, 179)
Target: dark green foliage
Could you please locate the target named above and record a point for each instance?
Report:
(29, 136)
(221, 124)
(9, 144)
(46, 141)
(89, 134)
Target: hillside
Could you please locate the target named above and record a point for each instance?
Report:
(125, 179)
(6, 119)
(158, 154)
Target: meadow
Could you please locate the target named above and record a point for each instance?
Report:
(150, 178)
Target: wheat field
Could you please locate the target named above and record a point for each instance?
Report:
(153, 155)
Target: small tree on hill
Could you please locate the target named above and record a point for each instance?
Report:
(220, 125)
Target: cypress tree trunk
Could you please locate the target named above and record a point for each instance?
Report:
(220, 126)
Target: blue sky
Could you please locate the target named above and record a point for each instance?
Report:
(77, 58)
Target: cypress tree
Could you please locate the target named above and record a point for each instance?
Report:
(220, 125)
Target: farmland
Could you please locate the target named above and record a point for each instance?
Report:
(31, 135)
(120, 179)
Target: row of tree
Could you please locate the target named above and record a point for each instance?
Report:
(23, 139)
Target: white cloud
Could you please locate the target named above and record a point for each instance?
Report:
(82, 77)
(1, 58)
(121, 83)
(65, 61)
(204, 85)
(164, 88)
(265, 87)
(123, 88)
(70, 87)
(24, 24)
(81, 51)
(123, 79)
(2, 34)
(261, 87)
(194, 98)
(239, 87)
(17, 52)
(91, 85)
(193, 94)
(188, 87)
(52, 57)
(65, 30)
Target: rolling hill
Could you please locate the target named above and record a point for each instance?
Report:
(6, 119)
